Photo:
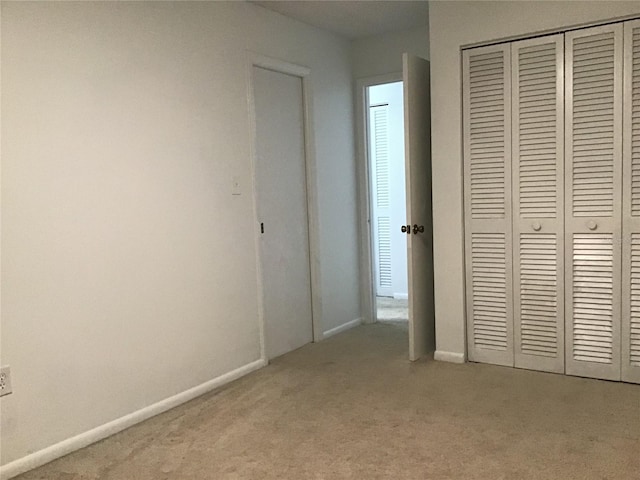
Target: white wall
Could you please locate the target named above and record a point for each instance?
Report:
(128, 268)
(452, 25)
(382, 54)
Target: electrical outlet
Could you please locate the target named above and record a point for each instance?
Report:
(5, 381)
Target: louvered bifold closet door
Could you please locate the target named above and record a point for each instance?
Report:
(593, 190)
(487, 172)
(538, 202)
(379, 145)
(631, 206)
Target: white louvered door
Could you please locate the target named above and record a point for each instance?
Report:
(487, 169)
(631, 206)
(593, 181)
(553, 152)
(538, 202)
(381, 177)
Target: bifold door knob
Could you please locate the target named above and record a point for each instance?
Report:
(406, 229)
(592, 225)
(418, 228)
(536, 226)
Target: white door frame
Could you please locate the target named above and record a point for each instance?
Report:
(304, 73)
(367, 288)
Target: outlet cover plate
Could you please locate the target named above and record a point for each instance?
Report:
(5, 381)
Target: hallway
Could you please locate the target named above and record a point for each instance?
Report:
(392, 309)
(354, 407)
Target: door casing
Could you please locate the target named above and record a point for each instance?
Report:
(363, 170)
(304, 73)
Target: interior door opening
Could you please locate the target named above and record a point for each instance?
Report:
(282, 208)
(386, 160)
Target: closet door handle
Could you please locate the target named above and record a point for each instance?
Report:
(536, 226)
(591, 225)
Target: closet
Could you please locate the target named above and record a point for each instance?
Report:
(552, 202)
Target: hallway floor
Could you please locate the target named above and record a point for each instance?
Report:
(390, 309)
(354, 407)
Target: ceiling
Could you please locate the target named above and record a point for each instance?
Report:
(355, 19)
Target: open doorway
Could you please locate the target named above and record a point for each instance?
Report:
(386, 164)
(418, 236)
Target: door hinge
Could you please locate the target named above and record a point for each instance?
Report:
(261, 227)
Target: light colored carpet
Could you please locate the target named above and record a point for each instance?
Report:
(353, 407)
(392, 309)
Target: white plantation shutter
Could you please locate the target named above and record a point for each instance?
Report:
(487, 153)
(538, 199)
(593, 181)
(631, 206)
(379, 130)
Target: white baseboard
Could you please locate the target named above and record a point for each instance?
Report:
(450, 357)
(401, 296)
(72, 444)
(342, 328)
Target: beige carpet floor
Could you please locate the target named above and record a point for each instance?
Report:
(353, 407)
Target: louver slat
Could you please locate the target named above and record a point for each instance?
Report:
(487, 151)
(631, 206)
(384, 252)
(381, 190)
(489, 293)
(538, 157)
(593, 185)
(634, 121)
(634, 330)
(538, 294)
(487, 164)
(593, 316)
(634, 317)
(381, 155)
(593, 118)
(537, 113)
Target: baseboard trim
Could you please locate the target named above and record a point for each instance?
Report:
(94, 435)
(451, 357)
(342, 328)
